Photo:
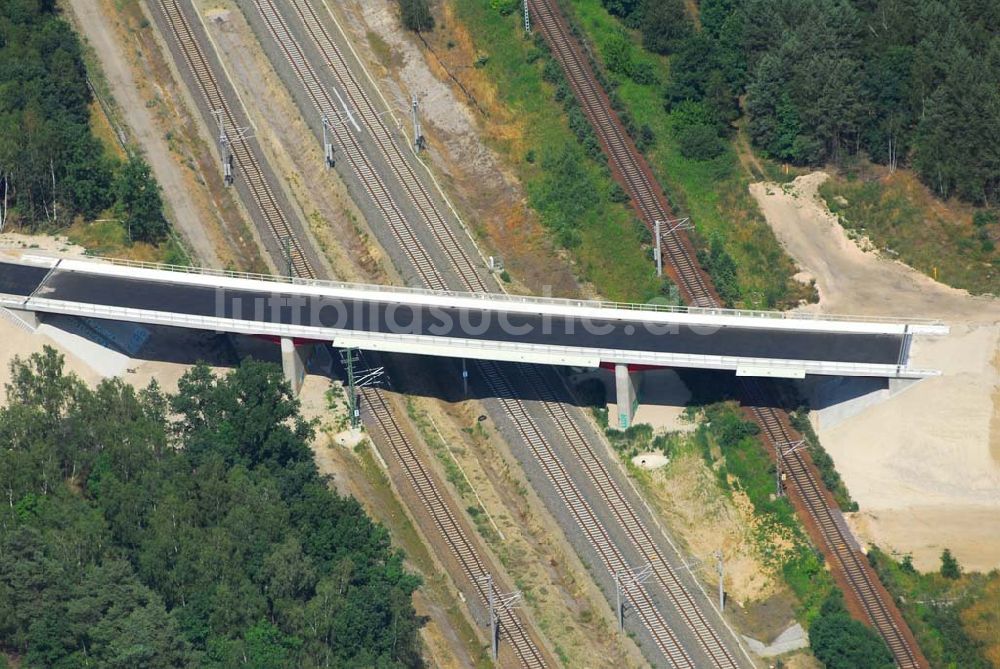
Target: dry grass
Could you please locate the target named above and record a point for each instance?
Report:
(100, 126)
(687, 494)
(982, 621)
(904, 220)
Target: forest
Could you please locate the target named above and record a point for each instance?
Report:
(140, 528)
(52, 168)
(911, 83)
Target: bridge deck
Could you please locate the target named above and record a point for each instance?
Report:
(470, 324)
(20, 279)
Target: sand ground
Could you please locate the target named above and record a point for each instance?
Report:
(925, 465)
(662, 398)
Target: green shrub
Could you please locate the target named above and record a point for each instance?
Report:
(416, 15)
(139, 202)
(643, 73)
(939, 610)
(645, 138)
(664, 24)
(617, 53)
(722, 268)
(688, 113)
(983, 218)
(505, 7)
(700, 142)
(949, 565)
(824, 463)
(841, 642)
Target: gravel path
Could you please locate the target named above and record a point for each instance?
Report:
(183, 212)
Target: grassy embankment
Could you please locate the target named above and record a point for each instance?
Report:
(568, 186)
(712, 192)
(956, 620)
(730, 449)
(728, 445)
(948, 241)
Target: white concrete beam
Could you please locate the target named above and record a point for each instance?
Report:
(28, 320)
(584, 309)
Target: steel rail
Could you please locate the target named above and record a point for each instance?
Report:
(627, 517)
(511, 625)
(422, 481)
(388, 148)
(367, 175)
(243, 155)
(697, 288)
(430, 495)
(583, 513)
(621, 151)
(836, 539)
(515, 409)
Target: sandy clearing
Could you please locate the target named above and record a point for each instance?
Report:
(921, 465)
(13, 244)
(86, 360)
(20, 343)
(852, 281)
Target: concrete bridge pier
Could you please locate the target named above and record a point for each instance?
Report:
(627, 384)
(293, 362)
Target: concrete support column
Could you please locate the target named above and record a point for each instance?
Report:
(626, 395)
(293, 362)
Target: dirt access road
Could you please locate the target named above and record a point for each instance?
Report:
(185, 212)
(925, 465)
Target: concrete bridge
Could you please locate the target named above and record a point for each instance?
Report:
(581, 333)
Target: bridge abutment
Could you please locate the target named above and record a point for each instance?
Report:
(835, 399)
(29, 320)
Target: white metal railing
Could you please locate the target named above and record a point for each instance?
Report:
(512, 299)
(469, 346)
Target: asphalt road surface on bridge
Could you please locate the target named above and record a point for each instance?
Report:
(286, 307)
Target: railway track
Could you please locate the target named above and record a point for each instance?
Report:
(430, 495)
(248, 167)
(696, 287)
(626, 161)
(838, 543)
(470, 280)
(583, 513)
(369, 177)
(626, 516)
(529, 655)
(389, 149)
